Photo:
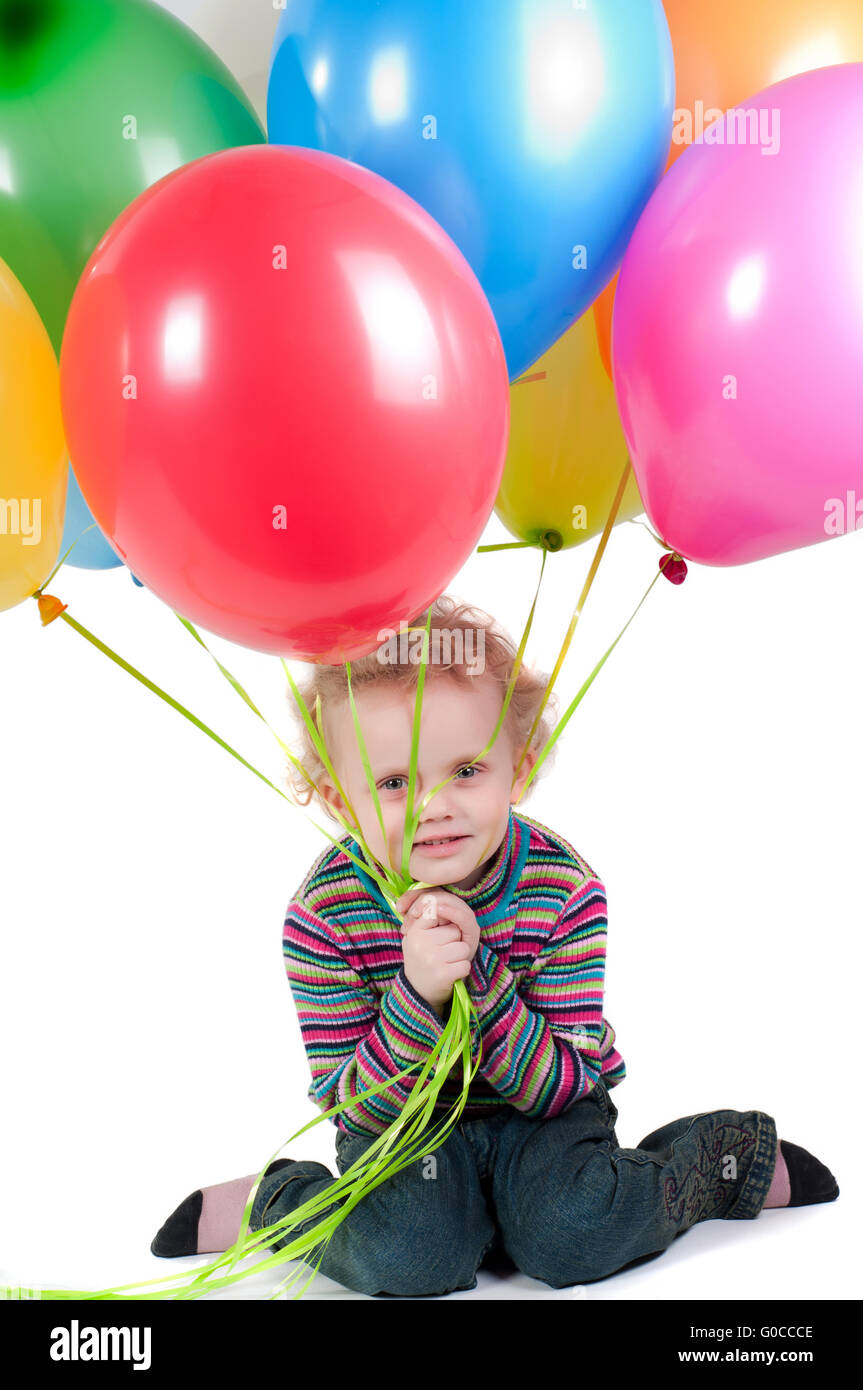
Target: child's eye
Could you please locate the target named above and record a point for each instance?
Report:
(385, 785)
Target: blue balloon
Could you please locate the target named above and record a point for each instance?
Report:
(533, 131)
(93, 551)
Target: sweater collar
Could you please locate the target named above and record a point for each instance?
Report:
(495, 888)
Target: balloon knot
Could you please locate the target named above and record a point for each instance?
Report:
(49, 608)
(551, 540)
(673, 566)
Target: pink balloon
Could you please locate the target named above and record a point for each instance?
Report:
(737, 339)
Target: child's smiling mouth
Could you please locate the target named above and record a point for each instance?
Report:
(439, 845)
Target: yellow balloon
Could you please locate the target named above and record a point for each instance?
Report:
(566, 452)
(33, 461)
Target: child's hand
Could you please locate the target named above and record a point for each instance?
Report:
(440, 937)
(448, 908)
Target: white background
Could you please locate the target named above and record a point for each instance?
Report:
(711, 777)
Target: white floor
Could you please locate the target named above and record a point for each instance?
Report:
(782, 1255)
(50, 1242)
(711, 778)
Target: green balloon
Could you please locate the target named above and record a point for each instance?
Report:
(99, 99)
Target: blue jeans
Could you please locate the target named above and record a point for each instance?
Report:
(556, 1199)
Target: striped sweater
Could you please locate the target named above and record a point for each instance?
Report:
(536, 983)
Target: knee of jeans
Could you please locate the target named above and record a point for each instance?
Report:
(416, 1268)
(560, 1263)
(412, 1250)
(561, 1235)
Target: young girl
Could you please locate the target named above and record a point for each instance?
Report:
(532, 1174)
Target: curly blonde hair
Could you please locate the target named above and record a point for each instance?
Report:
(453, 620)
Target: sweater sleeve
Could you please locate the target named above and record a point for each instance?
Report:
(543, 1048)
(352, 1039)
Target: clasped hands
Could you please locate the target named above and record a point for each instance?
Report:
(440, 937)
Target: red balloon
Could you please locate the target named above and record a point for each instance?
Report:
(286, 400)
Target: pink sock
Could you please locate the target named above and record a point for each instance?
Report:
(779, 1194)
(221, 1214)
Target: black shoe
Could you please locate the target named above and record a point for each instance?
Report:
(811, 1180)
(179, 1234)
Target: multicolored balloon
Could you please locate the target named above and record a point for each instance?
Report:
(533, 133)
(32, 448)
(738, 328)
(99, 99)
(286, 396)
(567, 452)
(724, 50)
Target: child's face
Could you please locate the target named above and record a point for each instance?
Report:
(455, 726)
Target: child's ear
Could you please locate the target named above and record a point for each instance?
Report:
(524, 772)
(334, 800)
(330, 795)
